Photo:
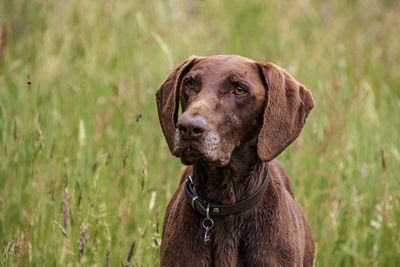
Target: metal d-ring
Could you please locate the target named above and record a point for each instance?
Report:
(205, 226)
(190, 179)
(209, 226)
(207, 218)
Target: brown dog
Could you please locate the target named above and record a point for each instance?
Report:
(237, 208)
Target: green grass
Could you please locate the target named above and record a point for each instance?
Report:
(94, 66)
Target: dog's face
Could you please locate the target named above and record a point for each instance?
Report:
(222, 100)
(228, 101)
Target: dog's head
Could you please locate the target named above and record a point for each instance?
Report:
(227, 101)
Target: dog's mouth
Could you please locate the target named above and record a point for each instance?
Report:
(207, 149)
(191, 154)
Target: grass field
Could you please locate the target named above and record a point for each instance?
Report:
(85, 173)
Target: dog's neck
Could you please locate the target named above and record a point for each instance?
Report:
(235, 182)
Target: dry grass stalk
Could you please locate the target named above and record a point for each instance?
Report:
(22, 250)
(61, 228)
(84, 238)
(128, 259)
(108, 251)
(66, 208)
(8, 249)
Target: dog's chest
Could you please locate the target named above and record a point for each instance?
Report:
(235, 242)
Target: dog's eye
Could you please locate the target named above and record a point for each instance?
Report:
(239, 90)
(190, 83)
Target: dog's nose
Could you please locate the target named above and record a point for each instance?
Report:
(191, 127)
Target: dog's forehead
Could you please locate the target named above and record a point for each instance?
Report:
(222, 65)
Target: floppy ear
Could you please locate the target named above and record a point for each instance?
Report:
(168, 100)
(287, 106)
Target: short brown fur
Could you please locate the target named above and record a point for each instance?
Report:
(228, 137)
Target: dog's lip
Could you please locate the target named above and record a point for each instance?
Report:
(190, 155)
(185, 150)
(188, 151)
(191, 152)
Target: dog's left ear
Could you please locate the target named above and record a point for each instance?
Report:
(167, 97)
(287, 106)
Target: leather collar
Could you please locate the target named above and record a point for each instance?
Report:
(207, 209)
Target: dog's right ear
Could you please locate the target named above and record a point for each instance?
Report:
(168, 100)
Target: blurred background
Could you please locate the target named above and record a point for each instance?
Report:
(85, 172)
